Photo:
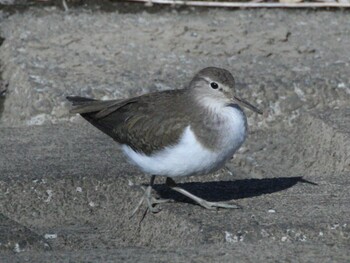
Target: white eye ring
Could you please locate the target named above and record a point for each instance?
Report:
(214, 85)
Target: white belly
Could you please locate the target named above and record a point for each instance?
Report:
(189, 156)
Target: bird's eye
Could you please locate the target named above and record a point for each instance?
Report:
(214, 85)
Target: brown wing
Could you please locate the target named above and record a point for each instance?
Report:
(147, 123)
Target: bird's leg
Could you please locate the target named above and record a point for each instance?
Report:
(150, 200)
(206, 204)
(148, 197)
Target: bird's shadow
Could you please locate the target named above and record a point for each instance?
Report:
(228, 190)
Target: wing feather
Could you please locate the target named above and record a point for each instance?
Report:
(146, 123)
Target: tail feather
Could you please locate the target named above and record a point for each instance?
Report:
(86, 105)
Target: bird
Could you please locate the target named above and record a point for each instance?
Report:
(175, 133)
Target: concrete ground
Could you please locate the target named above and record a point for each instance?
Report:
(66, 192)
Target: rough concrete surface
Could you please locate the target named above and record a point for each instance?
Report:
(66, 192)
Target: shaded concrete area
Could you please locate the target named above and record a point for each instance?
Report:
(214, 253)
(69, 182)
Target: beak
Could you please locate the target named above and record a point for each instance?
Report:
(246, 104)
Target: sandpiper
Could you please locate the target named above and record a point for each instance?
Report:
(174, 133)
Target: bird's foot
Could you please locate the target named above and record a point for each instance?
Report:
(215, 205)
(204, 203)
(150, 201)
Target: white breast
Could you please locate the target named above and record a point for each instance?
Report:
(189, 156)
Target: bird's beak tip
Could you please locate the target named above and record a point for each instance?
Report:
(246, 104)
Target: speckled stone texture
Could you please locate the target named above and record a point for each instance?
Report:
(284, 61)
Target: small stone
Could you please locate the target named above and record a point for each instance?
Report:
(50, 236)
